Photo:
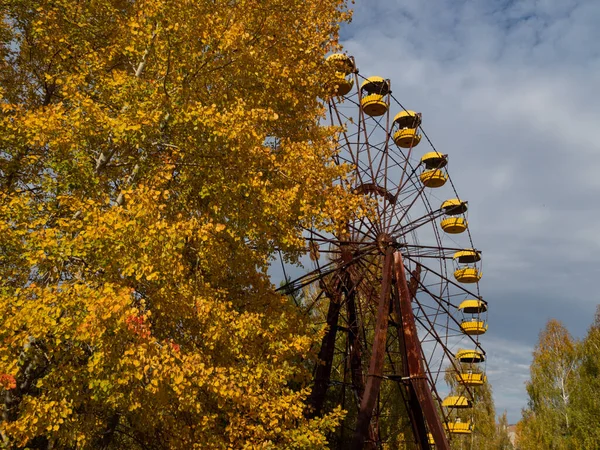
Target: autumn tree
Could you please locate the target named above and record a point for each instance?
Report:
(153, 157)
(547, 422)
(586, 395)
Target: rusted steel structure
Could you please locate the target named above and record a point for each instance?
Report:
(392, 305)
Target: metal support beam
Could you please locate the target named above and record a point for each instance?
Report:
(374, 376)
(356, 370)
(323, 373)
(413, 408)
(416, 372)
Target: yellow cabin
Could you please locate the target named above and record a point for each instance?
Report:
(470, 356)
(344, 65)
(341, 85)
(373, 101)
(433, 176)
(458, 427)
(453, 225)
(472, 306)
(407, 136)
(471, 379)
(474, 327)
(457, 401)
(466, 273)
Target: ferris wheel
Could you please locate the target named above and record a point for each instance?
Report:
(398, 286)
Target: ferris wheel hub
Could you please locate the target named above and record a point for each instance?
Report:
(384, 240)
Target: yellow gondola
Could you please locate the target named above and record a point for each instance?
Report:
(407, 136)
(374, 89)
(473, 327)
(472, 306)
(341, 85)
(458, 427)
(467, 275)
(457, 401)
(453, 225)
(470, 356)
(433, 178)
(344, 65)
(471, 379)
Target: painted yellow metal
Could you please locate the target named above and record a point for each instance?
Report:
(341, 85)
(457, 401)
(467, 275)
(474, 327)
(433, 178)
(472, 306)
(375, 85)
(458, 427)
(342, 63)
(470, 356)
(407, 137)
(453, 225)
(374, 105)
(430, 439)
(434, 160)
(454, 207)
(471, 379)
(407, 119)
(467, 256)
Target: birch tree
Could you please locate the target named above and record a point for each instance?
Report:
(547, 422)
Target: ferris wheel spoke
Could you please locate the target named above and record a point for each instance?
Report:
(423, 251)
(338, 243)
(414, 193)
(416, 196)
(443, 305)
(364, 228)
(456, 285)
(367, 135)
(319, 274)
(314, 302)
(416, 223)
(355, 160)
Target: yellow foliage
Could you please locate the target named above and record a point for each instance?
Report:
(153, 157)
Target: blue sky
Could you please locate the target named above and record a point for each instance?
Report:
(511, 91)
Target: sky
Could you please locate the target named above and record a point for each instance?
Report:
(510, 90)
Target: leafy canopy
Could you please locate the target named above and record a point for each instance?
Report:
(154, 155)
